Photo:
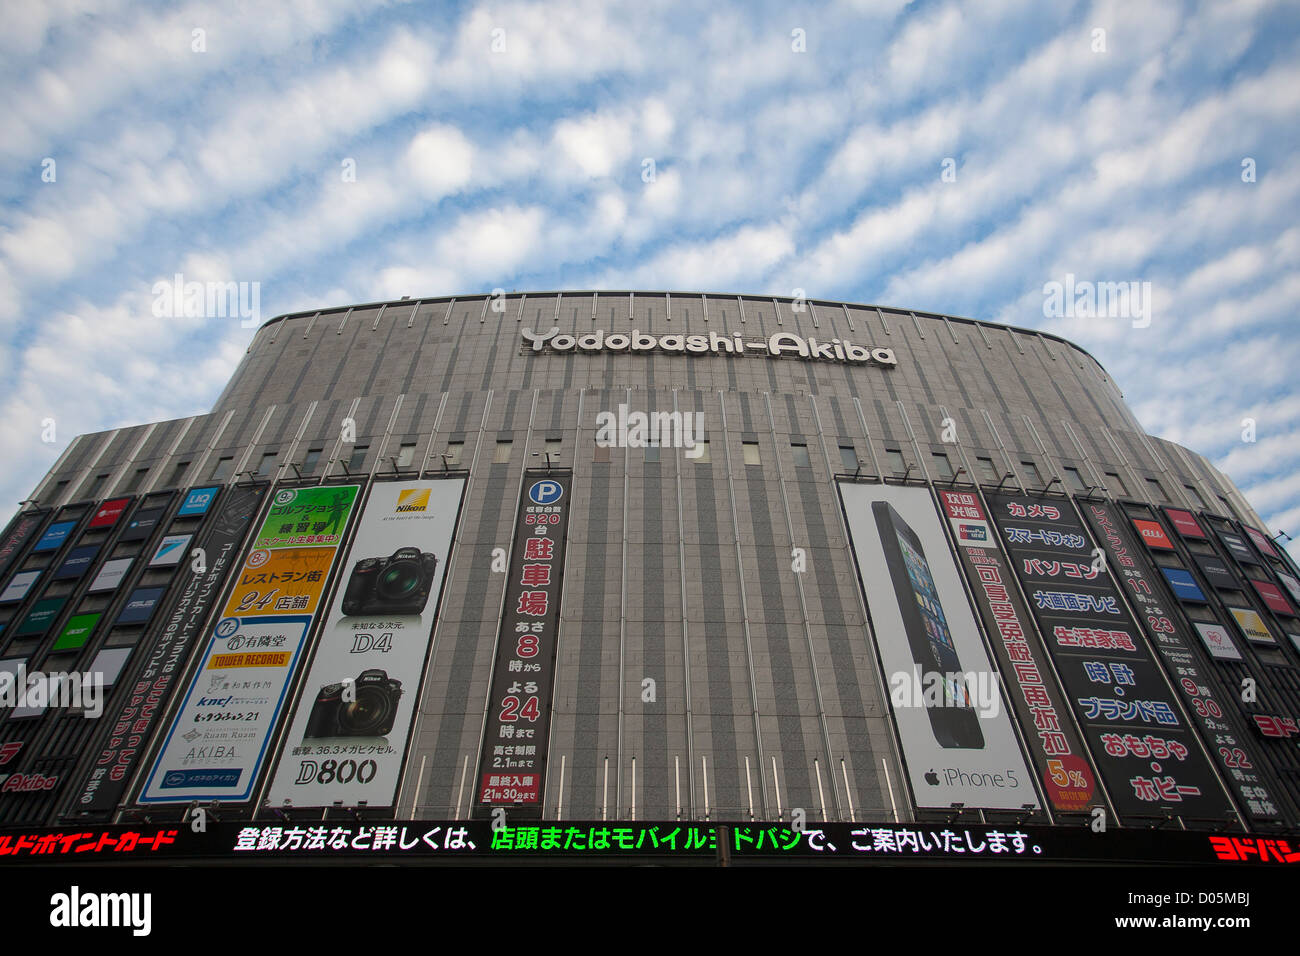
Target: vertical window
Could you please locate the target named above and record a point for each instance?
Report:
(1156, 489)
(267, 465)
(751, 452)
(59, 489)
(453, 453)
(222, 471)
(800, 452)
(178, 474)
(133, 484)
(1115, 484)
(1074, 479)
(652, 452)
(1196, 496)
(358, 459)
(406, 454)
(896, 464)
(503, 452)
(943, 466)
(1033, 474)
(986, 470)
(848, 458)
(311, 460)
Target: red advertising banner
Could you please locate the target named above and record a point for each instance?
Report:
(1261, 541)
(1184, 523)
(1152, 535)
(106, 514)
(1272, 596)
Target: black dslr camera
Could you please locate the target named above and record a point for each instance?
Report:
(396, 585)
(370, 712)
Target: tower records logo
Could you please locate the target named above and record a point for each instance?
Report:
(413, 499)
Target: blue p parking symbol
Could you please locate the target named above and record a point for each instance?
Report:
(545, 492)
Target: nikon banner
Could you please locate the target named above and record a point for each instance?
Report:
(513, 761)
(216, 744)
(347, 739)
(137, 715)
(956, 735)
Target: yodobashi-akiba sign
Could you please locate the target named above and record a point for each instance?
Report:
(775, 346)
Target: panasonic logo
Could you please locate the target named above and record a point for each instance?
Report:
(775, 346)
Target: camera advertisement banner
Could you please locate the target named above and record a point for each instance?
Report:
(1147, 756)
(133, 720)
(956, 736)
(1065, 773)
(1165, 629)
(347, 739)
(216, 745)
(513, 762)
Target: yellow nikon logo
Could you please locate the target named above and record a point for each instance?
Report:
(416, 499)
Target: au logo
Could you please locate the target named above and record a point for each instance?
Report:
(414, 499)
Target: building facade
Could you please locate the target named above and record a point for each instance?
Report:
(668, 556)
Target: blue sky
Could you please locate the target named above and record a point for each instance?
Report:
(794, 147)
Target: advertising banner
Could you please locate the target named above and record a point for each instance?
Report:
(1183, 585)
(23, 530)
(1252, 625)
(1153, 536)
(140, 606)
(142, 524)
(54, 536)
(20, 585)
(76, 632)
(1291, 584)
(1272, 597)
(218, 740)
(1262, 542)
(41, 616)
(1237, 763)
(347, 738)
(1216, 572)
(513, 761)
(1064, 772)
(1218, 641)
(1147, 756)
(1184, 523)
(111, 575)
(106, 514)
(1237, 547)
(170, 551)
(197, 502)
(957, 739)
(77, 562)
(133, 721)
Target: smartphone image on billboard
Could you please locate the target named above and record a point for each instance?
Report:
(955, 723)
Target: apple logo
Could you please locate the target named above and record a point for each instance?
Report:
(932, 778)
